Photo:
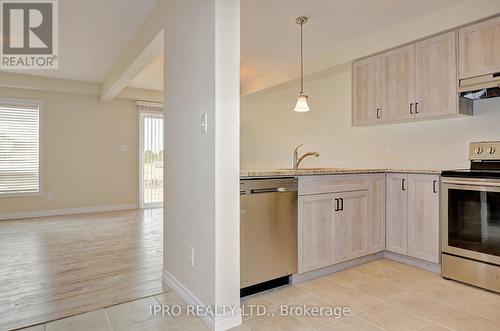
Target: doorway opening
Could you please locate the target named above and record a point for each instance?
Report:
(151, 151)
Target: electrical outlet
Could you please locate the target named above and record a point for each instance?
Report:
(191, 256)
(50, 196)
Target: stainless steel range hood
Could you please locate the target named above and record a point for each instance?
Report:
(481, 87)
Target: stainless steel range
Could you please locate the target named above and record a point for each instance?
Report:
(471, 219)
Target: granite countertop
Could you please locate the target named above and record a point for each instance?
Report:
(249, 173)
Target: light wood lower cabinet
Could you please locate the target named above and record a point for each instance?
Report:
(412, 222)
(317, 233)
(423, 217)
(376, 216)
(352, 224)
(343, 219)
(397, 214)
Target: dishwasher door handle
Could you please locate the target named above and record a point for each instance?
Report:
(265, 190)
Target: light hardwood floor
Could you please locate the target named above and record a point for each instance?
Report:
(55, 267)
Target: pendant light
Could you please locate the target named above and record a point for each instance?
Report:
(301, 105)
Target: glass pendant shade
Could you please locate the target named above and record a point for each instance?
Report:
(301, 106)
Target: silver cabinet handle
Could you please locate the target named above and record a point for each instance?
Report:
(416, 107)
(378, 112)
(403, 186)
(434, 188)
(411, 108)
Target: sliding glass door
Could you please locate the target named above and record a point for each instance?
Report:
(151, 157)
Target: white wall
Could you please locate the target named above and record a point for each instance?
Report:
(189, 193)
(201, 195)
(270, 129)
(82, 162)
(227, 149)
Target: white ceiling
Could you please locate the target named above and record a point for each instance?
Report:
(92, 35)
(270, 41)
(270, 37)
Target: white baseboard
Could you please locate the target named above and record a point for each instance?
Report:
(218, 323)
(304, 277)
(429, 266)
(223, 323)
(67, 211)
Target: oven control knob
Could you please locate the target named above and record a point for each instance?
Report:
(478, 150)
(491, 150)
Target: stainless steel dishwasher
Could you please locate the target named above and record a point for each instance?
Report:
(268, 230)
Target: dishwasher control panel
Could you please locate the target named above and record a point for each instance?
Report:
(263, 185)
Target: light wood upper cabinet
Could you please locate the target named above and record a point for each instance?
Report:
(435, 76)
(317, 231)
(423, 217)
(366, 90)
(479, 49)
(397, 83)
(352, 223)
(397, 213)
(417, 81)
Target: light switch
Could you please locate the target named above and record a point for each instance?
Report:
(204, 123)
(123, 148)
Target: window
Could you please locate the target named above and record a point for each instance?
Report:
(20, 147)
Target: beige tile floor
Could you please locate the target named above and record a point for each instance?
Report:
(383, 295)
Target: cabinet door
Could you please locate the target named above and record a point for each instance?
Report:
(316, 232)
(398, 83)
(376, 212)
(353, 224)
(423, 217)
(479, 49)
(366, 82)
(435, 76)
(397, 213)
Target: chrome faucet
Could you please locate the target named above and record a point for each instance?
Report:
(297, 159)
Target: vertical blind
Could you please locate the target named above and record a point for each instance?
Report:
(19, 147)
(152, 154)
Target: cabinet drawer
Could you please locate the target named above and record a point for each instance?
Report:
(334, 183)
